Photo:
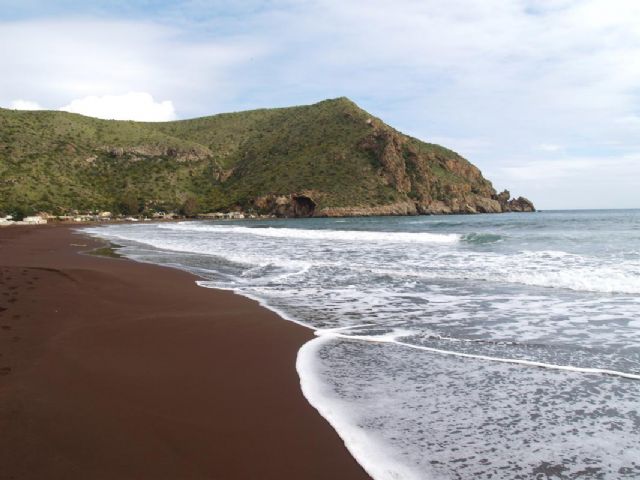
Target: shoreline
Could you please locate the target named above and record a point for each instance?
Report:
(119, 369)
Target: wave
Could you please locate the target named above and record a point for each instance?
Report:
(331, 235)
(372, 454)
(586, 279)
(543, 268)
(556, 269)
(392, 338)
(481, 238)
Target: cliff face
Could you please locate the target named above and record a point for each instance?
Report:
(426, 179)
(327, 159)
(437, 182)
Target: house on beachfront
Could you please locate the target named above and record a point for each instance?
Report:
(222, 216)
(33, 220)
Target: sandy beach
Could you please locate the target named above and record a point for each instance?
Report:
(111, 369)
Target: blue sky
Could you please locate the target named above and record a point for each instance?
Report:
(543, 96)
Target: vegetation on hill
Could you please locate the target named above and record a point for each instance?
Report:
(330, 158)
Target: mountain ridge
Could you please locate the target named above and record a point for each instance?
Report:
(330, 158)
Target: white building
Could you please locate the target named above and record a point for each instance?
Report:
(34, 220)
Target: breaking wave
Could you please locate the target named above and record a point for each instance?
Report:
(321, 234)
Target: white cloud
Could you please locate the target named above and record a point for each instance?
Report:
(139, 106)
(629, 121)
(549, 147)
(504, 82)
(24, 105)
(611, 181)
(458, 144)
(54, 61)
(131, 106)
(551, 170)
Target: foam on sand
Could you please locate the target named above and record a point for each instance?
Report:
(362, 444)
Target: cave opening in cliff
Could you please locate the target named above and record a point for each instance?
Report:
(303, 206)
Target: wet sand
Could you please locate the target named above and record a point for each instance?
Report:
(111, 369)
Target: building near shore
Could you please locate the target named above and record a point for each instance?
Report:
(33, 220)
(223, 216)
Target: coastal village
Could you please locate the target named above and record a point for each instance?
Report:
(97, 217)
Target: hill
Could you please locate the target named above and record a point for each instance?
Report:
(331, 158)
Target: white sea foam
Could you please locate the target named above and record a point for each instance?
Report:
(392, 338)
(541, 269)
(331, 235)
(363, 445)
(448, 417)
(604, 279)
(544, 268)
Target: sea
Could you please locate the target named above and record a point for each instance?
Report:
(446, 347)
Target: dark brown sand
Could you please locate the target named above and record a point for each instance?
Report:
(110, 369)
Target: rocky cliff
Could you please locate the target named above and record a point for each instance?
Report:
(327, 159)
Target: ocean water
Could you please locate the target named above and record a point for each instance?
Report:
(459, 347)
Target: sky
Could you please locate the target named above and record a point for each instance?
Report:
(543, 96)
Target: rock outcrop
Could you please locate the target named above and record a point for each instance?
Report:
(407, 169)
(294, 205)
(299, 205)
(508, 204)
(399, 208)
(138, 152)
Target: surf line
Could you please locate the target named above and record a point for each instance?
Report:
(528, 363)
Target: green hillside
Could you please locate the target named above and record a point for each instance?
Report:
(330, 158)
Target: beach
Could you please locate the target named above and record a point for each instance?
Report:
(112, 369)
(481, 346)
